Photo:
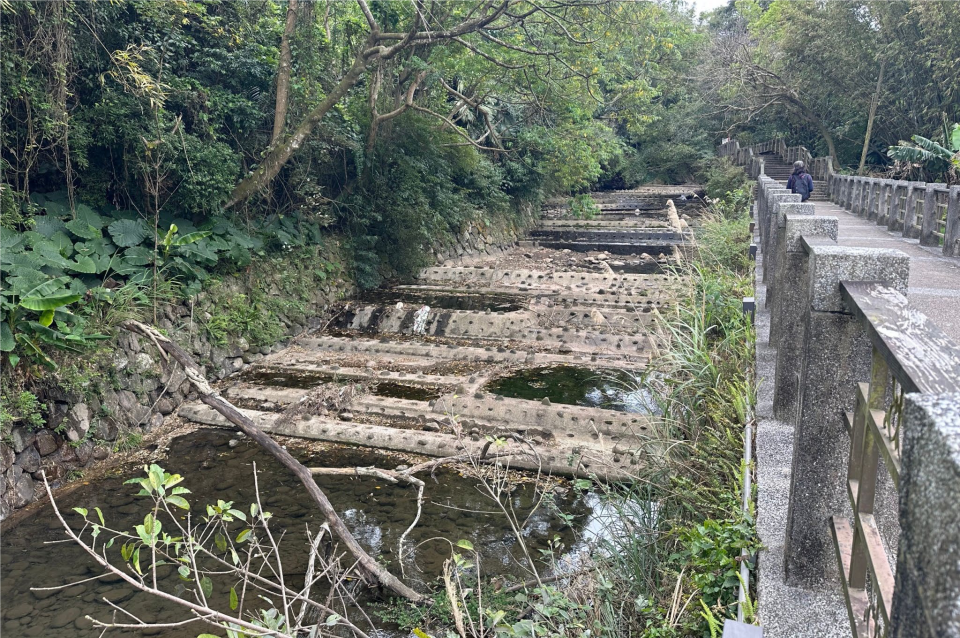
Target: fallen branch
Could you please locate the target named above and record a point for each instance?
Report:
(374, 572)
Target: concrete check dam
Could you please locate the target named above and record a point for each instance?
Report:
(477, 346)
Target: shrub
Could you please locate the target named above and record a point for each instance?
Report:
(721, 176)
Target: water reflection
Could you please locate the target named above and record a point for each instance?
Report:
(572, 385)
(375, 511)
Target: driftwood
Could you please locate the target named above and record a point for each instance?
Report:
(369, 567)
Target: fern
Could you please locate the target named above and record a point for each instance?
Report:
(712, 621)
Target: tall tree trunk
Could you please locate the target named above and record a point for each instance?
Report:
(278, 155)
(800, 107)
(873, 112)
(283, 73)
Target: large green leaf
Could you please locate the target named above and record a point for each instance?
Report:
(23, 282)
(83, 229)
(127, 232)
(7, 343)
(83, 264)
(101, 246)
(138, 255)
(14, 262)
(50, 252)
(90, 216)
(11, 240)
(122, 266)
(56, 209)
(932, 147)
(48, 303)
(48, 287)
(63, 242)
(191, 238)
(955, 138)
(47, 225)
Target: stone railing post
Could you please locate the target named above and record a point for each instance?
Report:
(898, 188)
(844, 190)
(787, 316)
(951, 237)
(774, 196)
(927, 238)
(873, 200)
(776, 256)
(851, 188)
(915, 192)
(926, 598)
(886, 199)
(856, 205)
(836, 354)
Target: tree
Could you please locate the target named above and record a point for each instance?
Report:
(512, 35)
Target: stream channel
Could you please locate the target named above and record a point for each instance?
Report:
(507, 344)
(34, 554)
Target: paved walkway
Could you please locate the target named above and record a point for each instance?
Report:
(934, 289)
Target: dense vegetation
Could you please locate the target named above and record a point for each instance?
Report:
(149, 149)
(847, 79)
(177, 141)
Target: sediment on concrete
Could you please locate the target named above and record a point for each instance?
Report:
(568, 307)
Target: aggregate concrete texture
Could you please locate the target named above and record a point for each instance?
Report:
(423, 353)
(933, 287)
(785, 612)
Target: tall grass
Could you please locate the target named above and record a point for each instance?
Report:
(686, 555)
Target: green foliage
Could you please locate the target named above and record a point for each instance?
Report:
(128, 441)
(936, 158)
(247, 315)
(712, 551)
(724, 243)
(20, 407)
(421, 194)
(683, 533)
(720, 176)
(13, 213)
(583, 207)
(284, 290)
(829, 55)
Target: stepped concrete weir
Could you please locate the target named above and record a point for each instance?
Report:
(577, 293)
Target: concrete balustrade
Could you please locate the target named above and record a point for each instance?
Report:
(872, 387)
(930, 212)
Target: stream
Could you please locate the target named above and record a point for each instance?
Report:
(33, 553)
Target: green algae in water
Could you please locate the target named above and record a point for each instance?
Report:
(572, 385)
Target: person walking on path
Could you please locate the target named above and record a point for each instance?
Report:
(800, 181)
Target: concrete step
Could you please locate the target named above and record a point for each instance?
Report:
(422, 355)
(602, 458)
(519, 325)
(489, 412)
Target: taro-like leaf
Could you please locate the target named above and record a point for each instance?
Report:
(83, 264)
(7, 342)
(138, 255)
(90, 216)
(47, 225)
(83, 229)
(127, 232)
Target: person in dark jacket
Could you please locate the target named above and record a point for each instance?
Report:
(800, 182)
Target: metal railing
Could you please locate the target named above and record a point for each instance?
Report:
(910, 354)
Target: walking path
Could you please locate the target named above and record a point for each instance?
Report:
(934, 289)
